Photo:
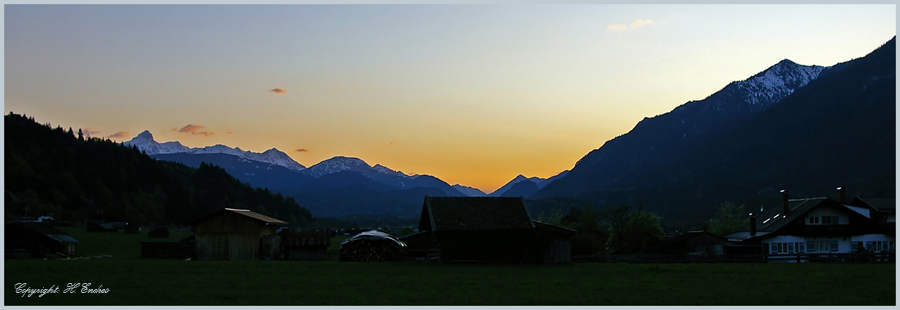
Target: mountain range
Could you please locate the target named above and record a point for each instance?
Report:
(275, 170)
(807, 128)
(335, 187)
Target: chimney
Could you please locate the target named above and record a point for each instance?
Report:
(752, 224)
(784, 201)
(843, 194)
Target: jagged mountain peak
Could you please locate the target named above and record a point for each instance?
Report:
(145, 135)
(145, 142)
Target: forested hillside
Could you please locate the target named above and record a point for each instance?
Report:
(58, 172)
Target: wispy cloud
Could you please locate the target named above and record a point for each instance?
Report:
(640, 22)
(119, 135)
(301, 150)
(278, 90)
(196, 130)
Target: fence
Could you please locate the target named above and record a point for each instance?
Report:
(793, 258)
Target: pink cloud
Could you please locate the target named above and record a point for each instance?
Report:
(278, 90)
(301, 150)
(196, 130)
(89, 132)
(119, 135)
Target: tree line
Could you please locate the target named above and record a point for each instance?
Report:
(627, 230)
(52, 171)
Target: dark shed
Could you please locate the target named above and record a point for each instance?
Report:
(39, 240)
(237, 234)
(489, 229)
(305, 244)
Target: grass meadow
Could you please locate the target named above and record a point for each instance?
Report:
(135, 281)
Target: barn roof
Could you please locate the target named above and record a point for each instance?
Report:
(474, 213)
(43, 229)
(774, 218)
(882, 204)
(256, 216)
(554, 228)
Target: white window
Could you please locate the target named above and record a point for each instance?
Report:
(821, 246)
(786, 248)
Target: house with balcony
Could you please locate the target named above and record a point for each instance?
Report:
(816, 226)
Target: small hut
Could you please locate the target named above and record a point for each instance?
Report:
(372, 246)
(39, 240)
(305, 244)
(237, 234)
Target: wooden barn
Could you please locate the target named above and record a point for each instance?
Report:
(555, 241)
(488, 229)
(237, 234)
(38, 240)
(305, 244)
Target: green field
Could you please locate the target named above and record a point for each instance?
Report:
(135, 281)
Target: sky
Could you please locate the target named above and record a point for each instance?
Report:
(472, 94)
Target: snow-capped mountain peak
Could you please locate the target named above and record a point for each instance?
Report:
(777, 82)
(145, 142)
(145, 135)
(337, 164)
(385, 170)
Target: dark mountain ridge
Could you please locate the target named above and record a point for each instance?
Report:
(839, 130)
(671, 136)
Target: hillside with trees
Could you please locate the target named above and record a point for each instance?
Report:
(58, 172)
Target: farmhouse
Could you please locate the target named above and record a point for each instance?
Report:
(487, 229)
(817, 226)
(33, 239)
(237, 234)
